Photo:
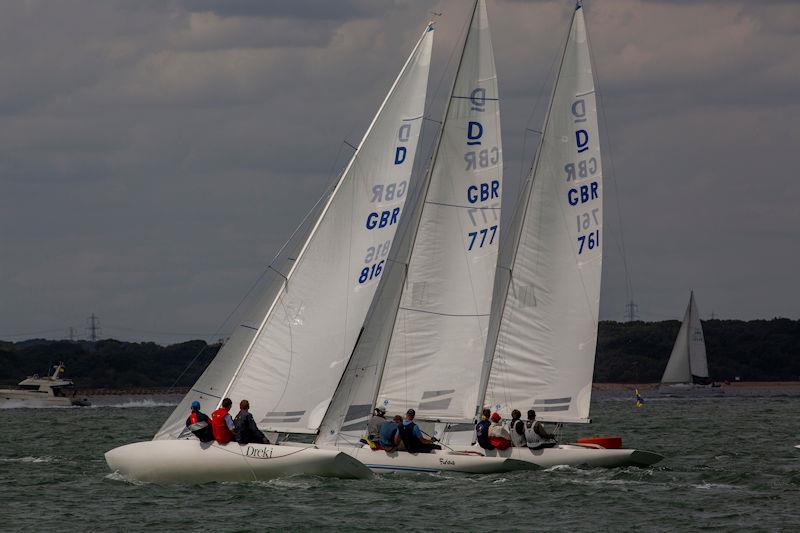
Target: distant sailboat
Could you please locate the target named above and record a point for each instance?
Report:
(289, 356)
(687, 368)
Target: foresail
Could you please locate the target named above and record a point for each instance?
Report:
(542, 340)
(439, 333)
(289, 364)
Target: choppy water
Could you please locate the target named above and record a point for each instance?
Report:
(731, 464)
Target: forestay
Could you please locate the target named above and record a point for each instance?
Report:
(543, 333)
(288, 363)
(688, 358)
(429, 316)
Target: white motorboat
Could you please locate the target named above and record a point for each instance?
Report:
(288, 353)
(48, 391)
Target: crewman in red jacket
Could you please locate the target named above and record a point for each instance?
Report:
(222, 423)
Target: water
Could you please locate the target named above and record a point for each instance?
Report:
(731, 464)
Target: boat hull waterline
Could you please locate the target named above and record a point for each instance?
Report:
(574, 455)
(438, 461)
(190, 461)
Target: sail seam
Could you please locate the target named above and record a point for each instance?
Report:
(442, 314)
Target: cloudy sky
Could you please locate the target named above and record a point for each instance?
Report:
(154, 155)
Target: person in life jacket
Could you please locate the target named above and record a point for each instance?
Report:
(482, 431)
(199, 424)
(535, 434)
(377, 420)
(246, 429)
(412, 436)
(222, 423)
(390, 434)
(516, 428)
(498, 434)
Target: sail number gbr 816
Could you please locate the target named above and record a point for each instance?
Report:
(582, 196)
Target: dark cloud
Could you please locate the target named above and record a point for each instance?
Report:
(155, 155)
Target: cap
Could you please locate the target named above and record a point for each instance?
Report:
(495, 417)
(195, 405)
(381, 409)
(411, 412)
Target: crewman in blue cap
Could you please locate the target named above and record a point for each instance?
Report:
(199, 424)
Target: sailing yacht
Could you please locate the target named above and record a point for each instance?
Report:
(687, 368)
(543, 330)
(423, 340)
(289, 354)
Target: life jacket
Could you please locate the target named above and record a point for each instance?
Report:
(533, 439)
(482, 435)
(222, 434)
(200, 425)
(409, 439)
(517, 440)
(498, 436)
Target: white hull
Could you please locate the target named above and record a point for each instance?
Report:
(574, 455)
(438, 461)
(190, 461)
(19, 398)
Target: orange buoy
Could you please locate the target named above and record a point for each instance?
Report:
(611, 443)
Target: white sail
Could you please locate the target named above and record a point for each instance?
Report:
(542, 339)
(428, 320)
(688, 358)
(288, 364)
(439, 335)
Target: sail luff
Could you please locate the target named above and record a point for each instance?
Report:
(324, 211)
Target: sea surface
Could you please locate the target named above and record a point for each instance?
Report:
(730, 465)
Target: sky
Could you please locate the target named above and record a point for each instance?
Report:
(155, 155)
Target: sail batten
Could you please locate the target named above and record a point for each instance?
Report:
(307, 328)
(543, 334)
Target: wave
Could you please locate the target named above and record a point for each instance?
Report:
(29, 459)
(138, 404)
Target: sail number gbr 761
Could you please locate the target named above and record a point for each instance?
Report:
(583, 185)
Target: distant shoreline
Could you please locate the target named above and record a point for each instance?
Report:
(161, 391)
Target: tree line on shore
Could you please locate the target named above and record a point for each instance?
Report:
(627, 352)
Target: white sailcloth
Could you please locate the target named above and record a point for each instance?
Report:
(429, 316)
(439, 335)
(542, 339)
(688, 358)
(288, 363)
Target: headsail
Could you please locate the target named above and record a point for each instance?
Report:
(543, 332)
(429, 317)
(288, 363)
(688, 362)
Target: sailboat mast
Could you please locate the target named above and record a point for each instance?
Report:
(501, 290)
(424, 192)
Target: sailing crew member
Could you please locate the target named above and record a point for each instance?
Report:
(246, 429)
(413, 438)
(535, 434)
(390, 434)
(516, 428)
(377, 420)
(222, 423)
(482, 431)
(199, 424)
(498, 434)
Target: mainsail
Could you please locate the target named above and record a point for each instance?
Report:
(423, 340)
(288, 361)
(687, 362)
(543, 332)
